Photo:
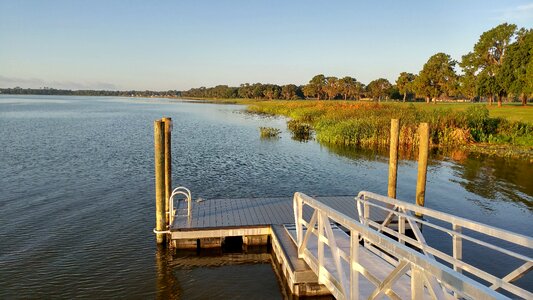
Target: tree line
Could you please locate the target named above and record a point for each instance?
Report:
(65, 92)
(500, 66)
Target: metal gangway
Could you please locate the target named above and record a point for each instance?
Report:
(370, 258)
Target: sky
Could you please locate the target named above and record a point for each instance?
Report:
(177, 45)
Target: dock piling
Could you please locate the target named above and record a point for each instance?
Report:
(159, 162)
(168, 164)
(393, 156)
(423, 132)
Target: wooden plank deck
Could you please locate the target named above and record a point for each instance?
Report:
(245, 212)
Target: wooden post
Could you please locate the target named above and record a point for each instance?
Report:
(168, 165)
(393, 156)
(159, 161)
(423, 132)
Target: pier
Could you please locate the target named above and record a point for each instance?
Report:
(364, 246)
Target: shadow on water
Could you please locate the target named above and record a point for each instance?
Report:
(218, 273)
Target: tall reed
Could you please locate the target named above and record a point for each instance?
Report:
(367, 124)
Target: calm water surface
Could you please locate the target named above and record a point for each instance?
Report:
(77, 198)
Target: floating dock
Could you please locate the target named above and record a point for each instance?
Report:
(355, 247)
(259, 221)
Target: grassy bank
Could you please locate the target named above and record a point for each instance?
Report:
(506, 131)
(221, 101)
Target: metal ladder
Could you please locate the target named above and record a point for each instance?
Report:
(183, 191)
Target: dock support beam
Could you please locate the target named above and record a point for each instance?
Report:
(159, 162)
(393, 156)
(168, 165)
(423, 153)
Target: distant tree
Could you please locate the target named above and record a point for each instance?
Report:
(315, 88)
(349, 87)
(513, 75)
(379, 89)
(309, 91)
(332, 87)
(394, 93)
(487, 85)
(246, 91)
(289, 91)
(437, 77)
(467, 86)
(487, 59)
(300, 92)
(468, 80)
(404, 83)
(271, 91)
(528, 89)
(258, 90)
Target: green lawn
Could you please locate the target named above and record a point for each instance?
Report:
(513, 111)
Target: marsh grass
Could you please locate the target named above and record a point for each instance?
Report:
(269, 132)
(300, 130)
(367, 124)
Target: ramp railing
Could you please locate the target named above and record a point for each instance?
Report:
(457, 231)
(336, 259)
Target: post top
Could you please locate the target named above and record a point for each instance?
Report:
(168, 123)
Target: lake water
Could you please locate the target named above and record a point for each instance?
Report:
(77, 197)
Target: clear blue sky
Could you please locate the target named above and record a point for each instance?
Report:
(162, 45)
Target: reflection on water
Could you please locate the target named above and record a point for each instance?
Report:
(497, 179)
(492, 178)
(167, 285)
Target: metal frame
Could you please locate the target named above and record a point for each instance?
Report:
(427, 276)
(411, 214)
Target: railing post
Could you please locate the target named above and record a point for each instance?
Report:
(423, 153)
(457, 242)
(320, 245)
(159, 161)
(354, 260)
(168, 165)
(366, 216)
(393, 156)
(297, 207)
(417, 283)
(401, 228)
(366, 212)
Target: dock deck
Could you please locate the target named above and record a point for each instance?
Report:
(231, 213)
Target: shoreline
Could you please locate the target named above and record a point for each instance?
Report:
(503, 150)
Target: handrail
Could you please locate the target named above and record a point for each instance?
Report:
(407, 212)
(426, 274)
(181, 190)
(517, 238)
